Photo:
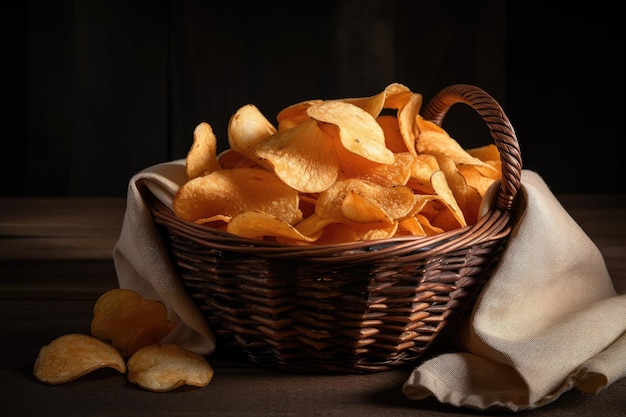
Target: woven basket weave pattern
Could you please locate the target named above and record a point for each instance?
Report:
(358, 307)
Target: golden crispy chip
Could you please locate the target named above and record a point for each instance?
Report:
(246, 128)
(165, 367)
(372, 105)
(393, 137)
(202, 157)
(314, 224)
(336, 233)
(397, 173)
(358, 130)
(421, 171)
(375, 230)
(229, 192)
(303, 157)
(485, 153)
(71, 356)
(129, 322)
(407, 104)
(446, 196)
(257, 225)
(230, 159)
(366, 202)
(454, 178)
(433, 139)
(475, 179)
(412, 226)
(406, 119)
(489, 154)
(294, 114)
(429, 229)
(396, 96)
(473, 202)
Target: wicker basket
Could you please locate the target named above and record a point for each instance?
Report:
(349, 308)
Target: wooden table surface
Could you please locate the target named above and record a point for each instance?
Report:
(55, 261)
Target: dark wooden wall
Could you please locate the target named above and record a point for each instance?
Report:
(98, 90)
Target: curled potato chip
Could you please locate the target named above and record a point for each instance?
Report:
(396, 96)
(303, 157)
(294, 114)
(358, 130)
(246, 128)
(229, 192)
(393, 137)
(446, 196)
(372, 105)
(421, 172)
(258, 225)
(165, 367)
(366, 202)
(433, 139)
(129, 322)
(71, 356)
(202, 157)
(474, 178)
(388, 175)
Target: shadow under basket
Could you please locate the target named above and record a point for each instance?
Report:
(351, 308)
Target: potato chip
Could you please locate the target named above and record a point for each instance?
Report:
(412, 226)
(229, 192)
(421, 171)
(406, 119)
(473, 201)
(128, 321)
(429, 229)
(393, 137)
(433, 139)
(455, 180)
(230, 159)
(372, 105)
(474, 178)
(490, 154)
(246, 128)
(303, 157)
(446, 196)
(397, 173)
(358, 130)
(396, 96)
(202, 157)
(367, 203)
(73, 355)
(166, 367)
(336, 233)
(375, 230)
(259, 225)
(315, 224)
(485, 153)
(294, 114)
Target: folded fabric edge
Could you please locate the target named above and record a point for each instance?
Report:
(142, 263)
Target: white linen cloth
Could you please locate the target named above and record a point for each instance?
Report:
(548, 320)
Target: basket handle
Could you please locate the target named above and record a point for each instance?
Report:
(499, 125)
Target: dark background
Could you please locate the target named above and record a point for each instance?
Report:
(98, 90)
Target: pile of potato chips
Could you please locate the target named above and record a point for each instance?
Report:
(335, 171)
(125, 335)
